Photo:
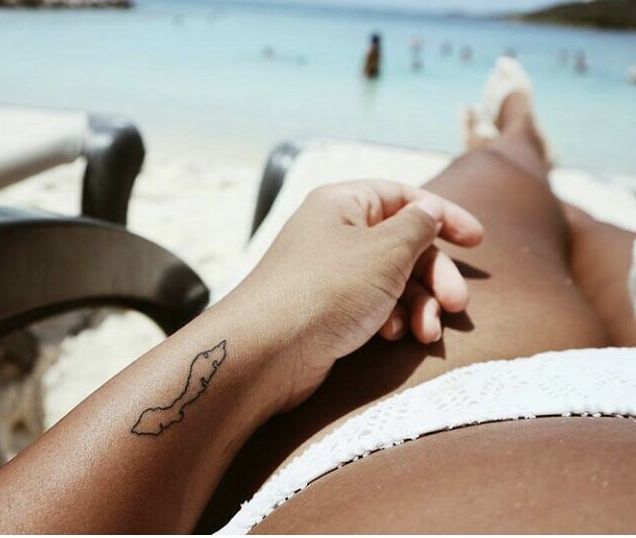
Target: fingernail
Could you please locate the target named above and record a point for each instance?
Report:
(433, 325)
(438, 334)
(397, 325)
(432, 206)
(436, 329)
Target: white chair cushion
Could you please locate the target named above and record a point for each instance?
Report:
(330, 161)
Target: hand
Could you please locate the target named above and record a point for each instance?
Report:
(357, 258)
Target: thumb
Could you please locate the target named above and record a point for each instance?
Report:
(416, 224)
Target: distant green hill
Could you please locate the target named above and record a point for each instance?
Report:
(604, 14)
(66, 3)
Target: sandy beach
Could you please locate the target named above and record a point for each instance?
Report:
(191, 205)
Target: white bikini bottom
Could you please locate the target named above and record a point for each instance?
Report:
(597, 382)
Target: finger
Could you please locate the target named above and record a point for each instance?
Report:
(396, 326)
(363, 202)
(460, 226)
(386, 198)
(437, 271)
(424, 313)
(370, 203)
(415, 226)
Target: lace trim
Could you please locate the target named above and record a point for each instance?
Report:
(575, 382)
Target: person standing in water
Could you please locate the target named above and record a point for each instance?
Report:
(580, 63)
(374, 57)
(416, 54)
(466, 54)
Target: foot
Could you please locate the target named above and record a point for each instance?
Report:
(477, 132)
(516, 118)
(506, 105)
(507, 78)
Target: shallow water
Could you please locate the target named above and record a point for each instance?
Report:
(194, 70)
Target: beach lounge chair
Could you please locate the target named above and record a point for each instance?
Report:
(53, 263)
(33, 140)
(295, 168)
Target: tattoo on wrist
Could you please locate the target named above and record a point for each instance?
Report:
(154, 420)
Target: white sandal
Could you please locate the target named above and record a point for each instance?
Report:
(507, 77)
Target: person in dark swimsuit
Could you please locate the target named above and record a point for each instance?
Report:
(373, 59)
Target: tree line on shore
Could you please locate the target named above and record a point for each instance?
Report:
(601, 14)
(66, 3)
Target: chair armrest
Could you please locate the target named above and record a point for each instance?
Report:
(280, 161)
(52, 264)
(33, 140)
(114, 154)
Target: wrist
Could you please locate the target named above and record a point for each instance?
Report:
(262, 343)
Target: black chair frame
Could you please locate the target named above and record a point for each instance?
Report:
(50, 264)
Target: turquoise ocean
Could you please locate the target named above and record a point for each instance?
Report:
(195, 70)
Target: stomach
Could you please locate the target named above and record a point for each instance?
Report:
(547, 475)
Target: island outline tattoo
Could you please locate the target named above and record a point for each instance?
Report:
(154, 420)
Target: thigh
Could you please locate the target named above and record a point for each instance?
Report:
(523, 295)
(601, 258)
(548, 475)
(523, 301)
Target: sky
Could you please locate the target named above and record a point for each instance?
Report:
(466, 6)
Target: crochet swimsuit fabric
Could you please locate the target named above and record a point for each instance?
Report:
(584, 382)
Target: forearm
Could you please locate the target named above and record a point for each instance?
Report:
(146, 450)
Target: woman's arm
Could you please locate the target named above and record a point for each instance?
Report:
(145, 452)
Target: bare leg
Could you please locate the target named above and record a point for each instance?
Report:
(601, 259)
(519, 142)
(527, 241)
(600, 254)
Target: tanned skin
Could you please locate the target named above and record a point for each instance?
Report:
(147, 450)
(144, 453)
(541, 280)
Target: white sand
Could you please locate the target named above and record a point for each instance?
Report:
(202, 211)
